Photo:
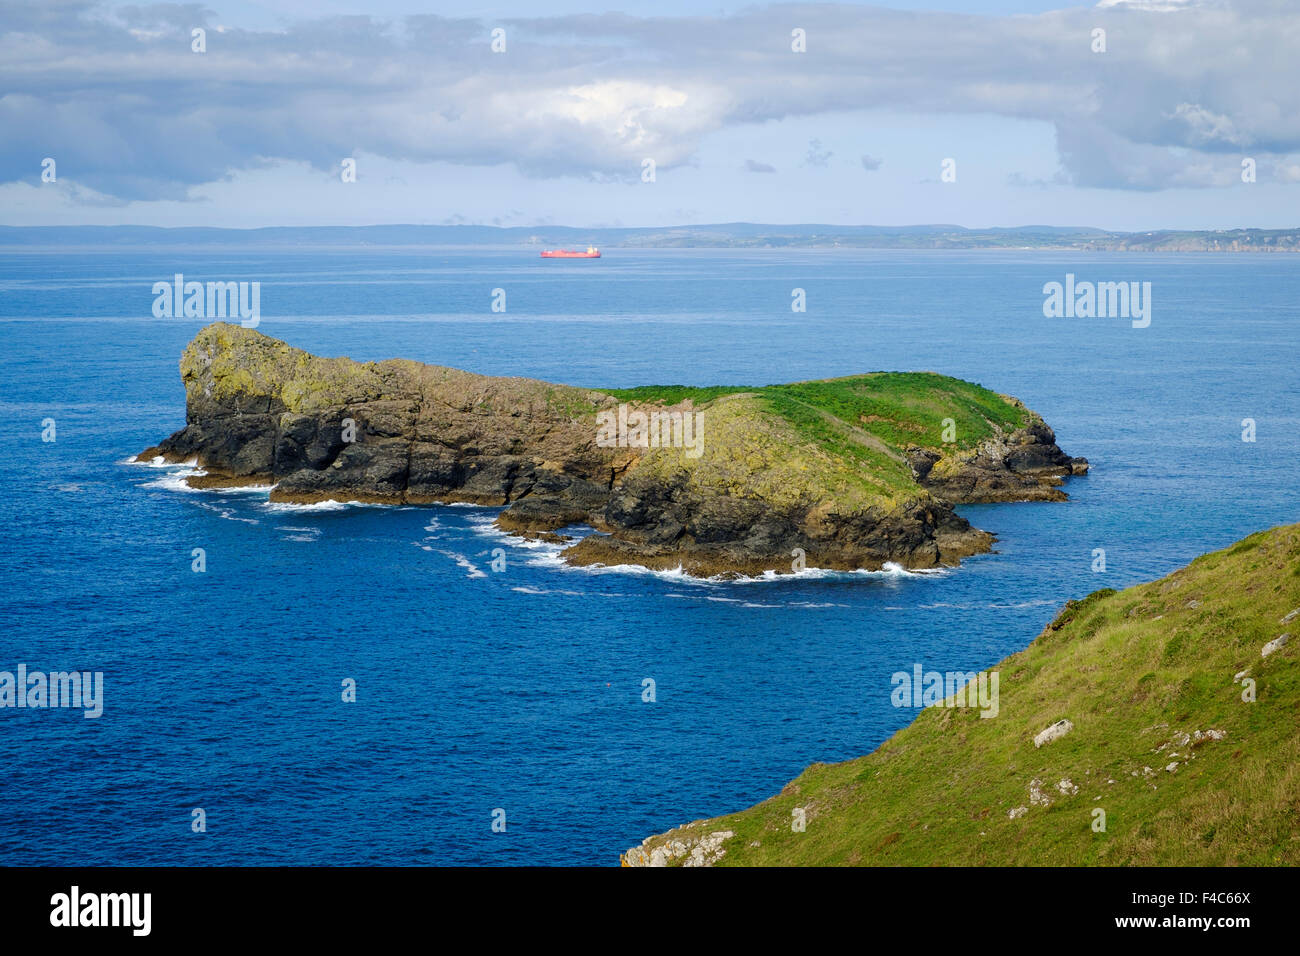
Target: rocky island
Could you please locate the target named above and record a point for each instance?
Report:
(844, 473)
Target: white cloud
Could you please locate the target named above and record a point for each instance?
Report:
(130, 112)
(1209, 128)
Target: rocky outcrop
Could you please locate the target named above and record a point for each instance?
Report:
(757, 493)
(1025, 465)
(261, 412)
(683, 848)
(671, 524)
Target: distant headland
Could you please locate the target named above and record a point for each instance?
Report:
(734, 235)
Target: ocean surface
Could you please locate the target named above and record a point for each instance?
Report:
(520, 690)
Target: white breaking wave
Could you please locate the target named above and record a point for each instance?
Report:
(227, 513)
(308, 535)
(755, 604)
(174, 481)
(485, 525)
(546, 554)
(242, 490)
(982, 606)
(289, 507)
(526, 589)
(890, 571)
(159, 462)
(466, 563)
(177, 476)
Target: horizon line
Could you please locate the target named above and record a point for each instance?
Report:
(829, 227)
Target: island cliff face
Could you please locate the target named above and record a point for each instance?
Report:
(846, 473)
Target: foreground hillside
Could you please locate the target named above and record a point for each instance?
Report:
(1183, 698)
(850, 472)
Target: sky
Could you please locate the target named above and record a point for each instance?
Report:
(606, 113)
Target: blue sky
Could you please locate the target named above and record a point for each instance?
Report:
(1041, 127)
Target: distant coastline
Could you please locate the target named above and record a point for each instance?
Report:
(721, 236)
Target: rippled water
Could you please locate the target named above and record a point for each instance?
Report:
(522, 689)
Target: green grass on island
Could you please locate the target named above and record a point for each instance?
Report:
(899, 408)
(1188, 765)
(855, 429)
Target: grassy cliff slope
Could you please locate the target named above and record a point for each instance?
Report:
(1192, 762)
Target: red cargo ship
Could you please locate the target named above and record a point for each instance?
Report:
(591, 253)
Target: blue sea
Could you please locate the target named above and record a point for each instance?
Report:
(521, 690)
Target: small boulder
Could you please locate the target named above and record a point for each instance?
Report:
(1274, 645)
(709, 850)
(1054, 732)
